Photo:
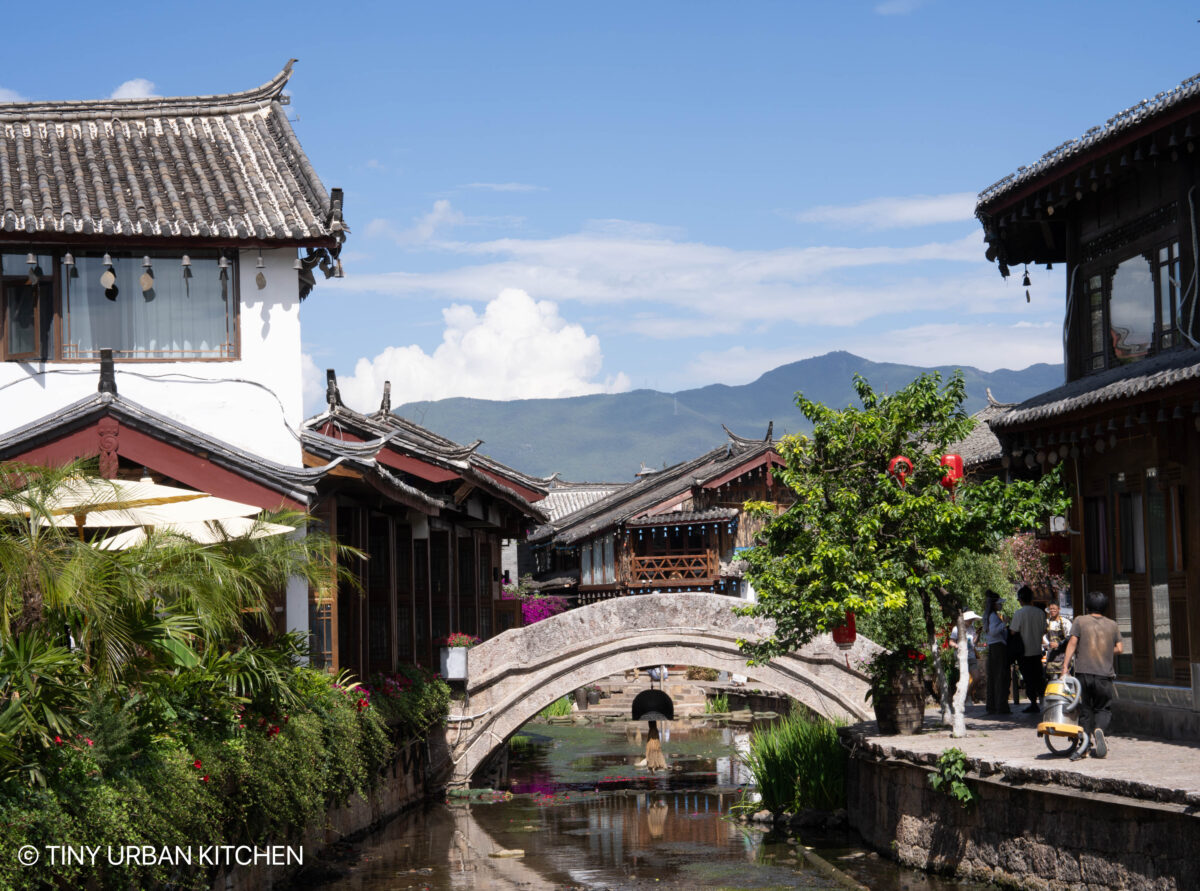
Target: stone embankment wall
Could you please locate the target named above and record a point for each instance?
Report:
(402, 785)
(1030, 829)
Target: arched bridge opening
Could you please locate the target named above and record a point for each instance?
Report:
(515, 675)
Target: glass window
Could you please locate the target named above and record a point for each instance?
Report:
(1131, 309)
(1133, 533)
(1160, 601)
(21, 321)
(585, 564)
(166, 311)
(610, 574)
(1095, 534)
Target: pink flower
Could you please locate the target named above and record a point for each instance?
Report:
(88, 741)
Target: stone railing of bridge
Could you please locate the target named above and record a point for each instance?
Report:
(515, 675)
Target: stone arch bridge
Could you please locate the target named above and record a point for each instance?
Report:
(518, 673)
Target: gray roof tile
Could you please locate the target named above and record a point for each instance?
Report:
(1146, 376)
(1119, 123)
(223, 167)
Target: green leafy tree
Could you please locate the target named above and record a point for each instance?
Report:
(78, 621)
(856, 539)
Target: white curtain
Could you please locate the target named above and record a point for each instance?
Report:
(177, 318)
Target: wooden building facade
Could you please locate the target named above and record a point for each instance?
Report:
(431, 515)
(677, 529)
(1117, 208)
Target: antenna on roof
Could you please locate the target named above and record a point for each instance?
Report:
(332, 394)
(385, 407)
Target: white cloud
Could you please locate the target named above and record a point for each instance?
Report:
(424, 228)
(138, 88)
(313, 382)
(898, 7)
(983, 346)
(504, 187)
(895, 213)
(7, 95)
(517, 348)
(683, 288)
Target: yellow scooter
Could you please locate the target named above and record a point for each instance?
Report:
(1062, 737)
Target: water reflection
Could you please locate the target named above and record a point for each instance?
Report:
(584, 815)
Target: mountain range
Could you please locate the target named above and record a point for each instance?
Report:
(608, 437)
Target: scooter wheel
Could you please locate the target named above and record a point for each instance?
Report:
(1060, 745)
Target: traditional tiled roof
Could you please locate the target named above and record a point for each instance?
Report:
(981, 444)
(1124, 382)
(655, 491)
(220, 167)
(566, 498)
(684, 517)
(383, 430)
(296, 483)
(1144, 112)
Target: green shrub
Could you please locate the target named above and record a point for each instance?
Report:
(557, 708)
(798, 764)
(716, 704)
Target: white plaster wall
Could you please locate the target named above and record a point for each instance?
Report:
(254, 416)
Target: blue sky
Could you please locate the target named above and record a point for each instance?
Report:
(559, 198)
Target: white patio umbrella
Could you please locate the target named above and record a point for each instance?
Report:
(95, 502)
(209, 532)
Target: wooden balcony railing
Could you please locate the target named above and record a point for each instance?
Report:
(674, 568)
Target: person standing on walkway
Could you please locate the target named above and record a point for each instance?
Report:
(1030, 623)
(1054, 642)
(995, 634)
(1095, 639)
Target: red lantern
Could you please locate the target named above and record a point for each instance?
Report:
(845, 635)
(905, 469)
(953, 472)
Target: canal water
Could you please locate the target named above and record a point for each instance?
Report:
(580, 813)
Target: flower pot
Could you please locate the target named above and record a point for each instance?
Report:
(593, 697)
(900, 713)
(581, 699)
(454, 663)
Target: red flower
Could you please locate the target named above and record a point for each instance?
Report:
(920, 657)
(58, 740)
(204, 779)
(89, 742)
(912, 654)
(196, 764)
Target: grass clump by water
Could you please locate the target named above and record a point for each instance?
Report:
(798, 764)
(557, 709)
(716, 704)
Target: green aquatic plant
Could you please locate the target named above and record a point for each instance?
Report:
(716, 704)
(798, 764)
(557, 709)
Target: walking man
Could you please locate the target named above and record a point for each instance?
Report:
(1094, 641)
(1030, 623)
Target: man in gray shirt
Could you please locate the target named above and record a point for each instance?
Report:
(1094, 640)
(1030, 623)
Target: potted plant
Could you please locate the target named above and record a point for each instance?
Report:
(454, 655)
(593, 695)
(897, 690)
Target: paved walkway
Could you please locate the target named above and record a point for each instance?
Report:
(1008, 745)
